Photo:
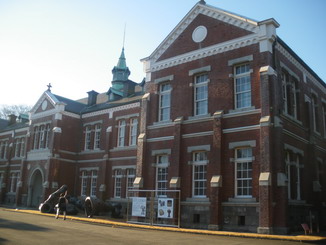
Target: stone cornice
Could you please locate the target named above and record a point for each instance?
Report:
(296, 63)
(205, 52)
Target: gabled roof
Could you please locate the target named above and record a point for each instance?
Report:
(71, 105)
(5, 126)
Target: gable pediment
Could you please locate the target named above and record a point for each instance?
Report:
(218, 23)
(202, 32)
(45, 103)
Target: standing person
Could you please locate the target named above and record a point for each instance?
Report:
(62, 205)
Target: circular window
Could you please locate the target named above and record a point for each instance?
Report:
(199, 34)
(44, 105)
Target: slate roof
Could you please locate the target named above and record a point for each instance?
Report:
(71, 105)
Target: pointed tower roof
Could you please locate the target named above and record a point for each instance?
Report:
(121, 72)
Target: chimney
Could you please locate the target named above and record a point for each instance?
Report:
(12, 119)
(92, 97)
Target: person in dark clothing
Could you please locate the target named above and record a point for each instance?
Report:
(62, 205)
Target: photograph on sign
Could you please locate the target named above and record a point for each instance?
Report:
(165, 208)
(139, 206)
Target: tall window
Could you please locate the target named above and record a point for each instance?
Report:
(117, 183)
(3, 149)
(201, 94)
(18, 147)
(133, 131)
(293, 173)
(97, 137)
(161, 174)
(36, 137)
(84, 178)
(93, 182)
(290, 94)
(199, 173)
(243, 171)
(121, 133)
(242, 86)
(88, 134)
(165, 102)
(14, 177)
(315, 115)
(131, 174)
(41, 136)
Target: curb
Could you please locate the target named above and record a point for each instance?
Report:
(299, 238)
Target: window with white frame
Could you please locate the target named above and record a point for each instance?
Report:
(84, 178)
(290, 94)
(161, 175)
(131, 174)
(199, 173)
(22, 147)
(293, 173)
(97, 137)
(243, 172)
(133, 131)
(121, 133)
(88, 133)
(17, 147)
(118, 183)
(41, 136)
(93, 183)
(14, 178)
(242, 86)
(36, 137)
(201, 94)
(3, 149)
(315, 111)
(165, 102)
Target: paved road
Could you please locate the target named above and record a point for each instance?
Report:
(28, 229)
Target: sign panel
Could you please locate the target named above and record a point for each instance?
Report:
(139, 206)
(165, 208)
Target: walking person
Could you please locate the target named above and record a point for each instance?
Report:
(62, 205)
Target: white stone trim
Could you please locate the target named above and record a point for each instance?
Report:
(164, 79)
(200, 70)
(158, 139)
(250, 143)
(200, 134)
(241, 129)
(240, 60)
(205, 52)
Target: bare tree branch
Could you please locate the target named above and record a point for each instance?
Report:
(6, 110)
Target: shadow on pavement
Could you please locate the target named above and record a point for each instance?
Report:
(8, 224)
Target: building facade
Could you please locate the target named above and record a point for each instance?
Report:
(228, 114)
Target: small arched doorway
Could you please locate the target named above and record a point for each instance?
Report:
(35, 191)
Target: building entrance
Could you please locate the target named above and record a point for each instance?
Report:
(35, 191)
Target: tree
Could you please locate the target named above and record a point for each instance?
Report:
(6, 110)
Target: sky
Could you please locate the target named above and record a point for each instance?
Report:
(74, 44)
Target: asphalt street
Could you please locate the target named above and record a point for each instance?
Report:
(21, 228)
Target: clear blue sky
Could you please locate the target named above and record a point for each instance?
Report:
(74, 44)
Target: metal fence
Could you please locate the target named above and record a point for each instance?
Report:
(151, 208)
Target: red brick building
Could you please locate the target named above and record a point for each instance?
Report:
(228, 114)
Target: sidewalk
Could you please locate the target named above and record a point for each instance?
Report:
(100, 220)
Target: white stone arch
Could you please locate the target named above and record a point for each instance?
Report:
(35, 187)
